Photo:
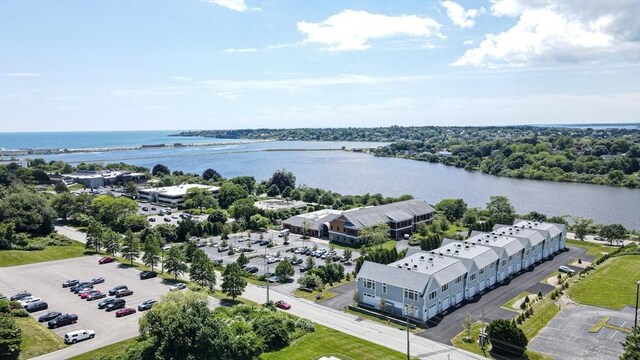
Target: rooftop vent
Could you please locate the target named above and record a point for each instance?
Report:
(448, 250)
(456, 252)
(466, 246)
(406, 264)
(487, 241)
(430, 259)
(488, 235)
(400, 266)
(441, 254)
(415, 266)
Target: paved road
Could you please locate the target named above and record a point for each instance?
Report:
(451, 324)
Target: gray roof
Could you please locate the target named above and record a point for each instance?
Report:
(376, 215)
(510, 245)
(395, 276)
(533, 237)
(442, 269)
(481, 256)
(552, 229)
(314, 219)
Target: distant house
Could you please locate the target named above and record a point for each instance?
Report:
(401, 217)
(317, 222)
(172, 195)
(444, 153)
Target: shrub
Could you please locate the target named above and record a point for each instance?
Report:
(347, 276)
(305, 325)
(19, 313)
(539, 294)
(506, 338)
(579, 261)
(526, 299)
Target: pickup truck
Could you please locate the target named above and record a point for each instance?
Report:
(62, 320)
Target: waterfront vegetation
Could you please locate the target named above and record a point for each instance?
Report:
(610, 285)
(595, 156)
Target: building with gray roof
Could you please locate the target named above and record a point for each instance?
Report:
(316, 222)
(480, 262)
(554, 234)
(509, 249)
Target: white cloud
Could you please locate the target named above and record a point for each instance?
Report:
(21, 74)
(467, 42)
(180, 78)
(240, 50)
(352, 30)
(559, 32)
(235, 5)
(228, 95)
(459, 16)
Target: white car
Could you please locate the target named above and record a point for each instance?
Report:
(166, 247)
(78, 335)
(29, 300)
(566, 269)
(178, 287)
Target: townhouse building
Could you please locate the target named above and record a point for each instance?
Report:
(532, 241)
(554, 234)
(510, 252)
(481, 263)
(402, 218)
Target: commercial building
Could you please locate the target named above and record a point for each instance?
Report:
(172, 195)
(280, 204)
(401, 217)
(426, 284)
(317, 223)
(98, 178)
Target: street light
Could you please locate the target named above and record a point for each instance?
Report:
(635, 322)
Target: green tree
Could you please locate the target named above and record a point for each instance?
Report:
(229, 193)
(130, 247)
(247, 182)
(175, 262)
(152, 250)
(500, 210)
(64, 205)
(199, 198)
(347, 254)
(284, 270)
(217, 217)
(202, 270)
(160, 170)
(273, 191)
(631, 347)
(242, 260)
(311, 281)
(581, 227)
(452, 209)
(613, 232)
(111, 241)
(131, 188)
(211, 174)
(258, 222)
(94, 236)
(281, 179)
(10, 338)
(233, 284)
(506, 338)
(310, 263)
(243, 209)
(190, 248)
(28, 210)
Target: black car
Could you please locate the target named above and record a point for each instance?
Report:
(103, 304)
(69, 283)
(80, 286)
(148, 275)
(21, 295)
(296, 262)
(264, 242)
(96, 296)
(115, 289)
(83, 289)
(97, 280)
(116, 304)
(251, 269)
(36, 306)
(49, 316)
(62, 320)
(146, 305)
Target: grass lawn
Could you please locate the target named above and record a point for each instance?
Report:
(417, 329)
(74, 187)
(475, 348)
(37, 339)
(509, 304)
(325, 341)
(592, 248)
(543, 311)
(611, 285)
(118, 348)
(21, 257)
(325, 294)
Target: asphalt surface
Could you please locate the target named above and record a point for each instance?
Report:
(447, 326)
(567, 335)
(343, 298)
(45, 279)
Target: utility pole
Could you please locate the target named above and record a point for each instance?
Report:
(410, 309)
(635, 322)
(482, 340)
(266, 272)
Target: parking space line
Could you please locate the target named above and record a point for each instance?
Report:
(59, 273)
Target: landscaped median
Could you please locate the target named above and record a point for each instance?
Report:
(50, 253)
(36, 339)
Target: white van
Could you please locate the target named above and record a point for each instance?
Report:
(283, 233)
(78, 335)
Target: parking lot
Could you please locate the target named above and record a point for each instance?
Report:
(45, 280)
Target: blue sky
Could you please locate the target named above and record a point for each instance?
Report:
(118, 65)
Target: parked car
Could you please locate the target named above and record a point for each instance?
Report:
(161, 213)
(123, 292)
(178, 287)
(148, 275)
(223, 248)
(251, 269)
(255, 241)
(20, 295)
(296, 262)
(36, 306)
(283, 233)
(96, 295)
(146, 305)
(303, 269)
(78, 335)
(282, 305)
(80, 286)
(49, 316)
(152, 219)
(115, 305)
(106, 260)
(566, 269)
(69, 283)
(166, 248)
(83, 289)
(97, 280)
(103, 304)
(246, 249)
(144, 208)
(166, 219)
(62, 320)
(115, 289)
(28, 300)
(84, 294)
(264, 242)
(125, 311)
(219, 261)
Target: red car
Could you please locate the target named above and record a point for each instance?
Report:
(282, 305)
(83, 295)
(106, 260)
(125, 312)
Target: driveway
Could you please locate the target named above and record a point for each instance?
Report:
(567, 335)
(447, 326)
(343, 298)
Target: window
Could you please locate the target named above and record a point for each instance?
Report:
(368, 284)
(481, 271)
(472, 277)
(510, 257)
(445, 287)
(411, 295)
(458, 279)
(504, 262)
(384, 288)
(432, 295)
